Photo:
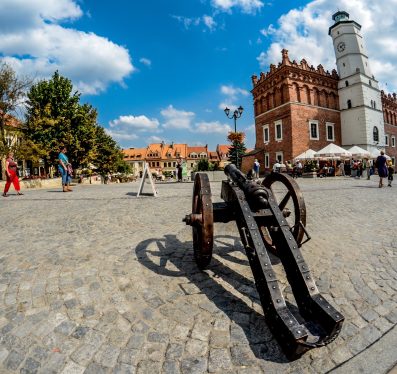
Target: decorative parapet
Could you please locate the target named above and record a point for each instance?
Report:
(303, 65)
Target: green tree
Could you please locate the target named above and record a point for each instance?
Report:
(12, 93)
(55, 117)
(203, 165)
(237, 148)
(108, 157)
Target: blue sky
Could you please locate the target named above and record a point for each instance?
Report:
(164, 70)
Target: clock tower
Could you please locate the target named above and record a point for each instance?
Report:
(359, 95)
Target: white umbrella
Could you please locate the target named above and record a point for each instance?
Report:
(333, 151)
(376, 152)
(359, 152)
(307, 155)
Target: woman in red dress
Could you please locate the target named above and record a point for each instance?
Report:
(12, 176)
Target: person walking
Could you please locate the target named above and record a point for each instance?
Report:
(390, 171)
(12, 175)
(179, 169)
(64, 169)
(256, 169)
(342, 169)
(368, 168)
(382, 168)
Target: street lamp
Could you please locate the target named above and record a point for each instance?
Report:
(236, 114)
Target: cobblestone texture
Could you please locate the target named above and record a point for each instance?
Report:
(98, 281)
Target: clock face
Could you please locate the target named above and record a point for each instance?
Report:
(341, 46)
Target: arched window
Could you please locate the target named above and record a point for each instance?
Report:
(374, 104)
(347, 83)
(376, 134)
(349, 104)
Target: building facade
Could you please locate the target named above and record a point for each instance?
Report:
(298, 106)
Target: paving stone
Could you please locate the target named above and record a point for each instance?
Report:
(95, 368)
(196, 348)
(171, 367)
(219, 360)
(174, 351)
(129, 356)
(194, 365)
(84, 354)
(73, 368)
(107, 355)
(124, 369)
(148, 367)
(30, 366)
(65, 328)
(13, 360)
(242, 355)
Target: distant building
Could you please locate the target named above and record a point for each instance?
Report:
(298, 106)
(163, 157)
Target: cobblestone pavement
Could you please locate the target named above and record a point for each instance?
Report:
(98, 281)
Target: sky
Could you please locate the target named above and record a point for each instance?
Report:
(159, 70)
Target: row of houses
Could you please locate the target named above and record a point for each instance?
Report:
(163, 157)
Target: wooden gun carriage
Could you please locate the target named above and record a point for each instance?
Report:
(268, 222)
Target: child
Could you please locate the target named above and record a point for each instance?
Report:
(390, 171)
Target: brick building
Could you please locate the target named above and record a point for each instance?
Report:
(298, 106)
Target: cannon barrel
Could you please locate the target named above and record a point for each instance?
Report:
(255, 194)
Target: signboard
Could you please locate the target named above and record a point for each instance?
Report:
(146, 172)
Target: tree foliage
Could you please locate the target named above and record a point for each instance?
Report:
(237, 148)
(55, 117)
(12, 94)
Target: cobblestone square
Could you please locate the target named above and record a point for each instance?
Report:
(99, 281)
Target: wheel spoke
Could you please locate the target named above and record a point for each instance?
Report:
(284, 201)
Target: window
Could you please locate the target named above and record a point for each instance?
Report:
(387, 140)
(376, 134)
(173, 164)
(313, 128)
(267, 160)
(370, 83)
(278, 130)
(347, 83)
(374, 104)
(393, 160)
(266, 135)
(330, 131)
(393, 141)
(279, 157)
(349, 104)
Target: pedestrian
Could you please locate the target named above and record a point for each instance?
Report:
(390, 171)
(179, 169)
(12, 175)
(65, 169)
(368, 168)
(342, 168)
(256, 169)
(382, 168)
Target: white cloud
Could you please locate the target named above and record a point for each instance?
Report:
(209, 22)
(35, 44)
(214, 127)
(233, 92)
(205, 20)
(177, 119)
(304, 32)
(138, 123)
(121, 136)
(246, 6)
(155, 139)
(145, 61)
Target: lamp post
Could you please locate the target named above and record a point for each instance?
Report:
(236, 114)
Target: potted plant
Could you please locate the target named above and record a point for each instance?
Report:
(310, 169)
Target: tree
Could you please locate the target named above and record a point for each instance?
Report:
(12, 94)
(237, 148)
(55, 117)
(108, 157)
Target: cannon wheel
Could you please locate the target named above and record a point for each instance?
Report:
(287, 195)
(203, 229)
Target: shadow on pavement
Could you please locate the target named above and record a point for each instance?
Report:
(180, 255)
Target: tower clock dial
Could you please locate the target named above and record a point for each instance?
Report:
(341, 46)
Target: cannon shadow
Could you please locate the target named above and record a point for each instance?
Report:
(180, 255)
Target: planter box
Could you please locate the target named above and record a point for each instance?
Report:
(37, 183)
(310, 174)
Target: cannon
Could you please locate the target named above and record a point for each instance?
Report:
(271, 218)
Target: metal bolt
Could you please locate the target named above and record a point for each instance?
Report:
(299, 331)
(274, 287)
(307, 277)
(303, 267)
(312, 288)
(294, 247)
(266, 264)
(337, 316)
(328, 307)
(278, 300)
(298, 257)
(291, 322)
